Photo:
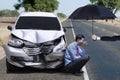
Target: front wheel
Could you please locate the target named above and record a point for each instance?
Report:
(10, 68)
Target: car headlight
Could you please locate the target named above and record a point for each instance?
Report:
(60, 47)
(15, 42)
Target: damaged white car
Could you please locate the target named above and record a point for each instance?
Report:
(36, 40)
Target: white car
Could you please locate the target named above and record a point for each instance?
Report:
(36, 40)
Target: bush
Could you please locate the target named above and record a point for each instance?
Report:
(61, 15)
(8, 13)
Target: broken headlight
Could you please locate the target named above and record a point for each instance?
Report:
(14, 42)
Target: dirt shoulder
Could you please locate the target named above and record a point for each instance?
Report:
(4, 34)
(2, 53)
(115, 23)
(8, 19)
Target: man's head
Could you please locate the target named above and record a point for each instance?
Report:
(79, 39)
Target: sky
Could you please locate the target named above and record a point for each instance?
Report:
(65, 6)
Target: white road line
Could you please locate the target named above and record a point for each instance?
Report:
(72, 29)
(107, 30)
(85, 74)
(115, 33)
(102, 29)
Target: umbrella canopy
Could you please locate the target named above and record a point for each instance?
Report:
(90, 12)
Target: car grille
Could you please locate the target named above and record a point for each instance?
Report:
(31, 51)
(39, 50)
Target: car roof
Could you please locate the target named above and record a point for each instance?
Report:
(44, 14)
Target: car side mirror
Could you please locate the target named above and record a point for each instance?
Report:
(9, 28)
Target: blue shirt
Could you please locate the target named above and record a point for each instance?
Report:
(71, 51)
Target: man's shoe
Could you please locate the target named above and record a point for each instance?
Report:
(79, 73)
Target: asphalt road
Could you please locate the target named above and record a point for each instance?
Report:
(105, 55)
(103, 65)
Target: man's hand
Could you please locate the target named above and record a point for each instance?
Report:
(84, 43)
(94, 37)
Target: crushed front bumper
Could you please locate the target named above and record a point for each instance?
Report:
(20, 58)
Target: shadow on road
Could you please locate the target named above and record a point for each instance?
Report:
(34, 70)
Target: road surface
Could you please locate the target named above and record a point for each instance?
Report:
(105, 55)
(103, 65)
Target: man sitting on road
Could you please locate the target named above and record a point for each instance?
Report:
(75, 57)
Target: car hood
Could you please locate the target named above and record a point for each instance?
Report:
(37, 36)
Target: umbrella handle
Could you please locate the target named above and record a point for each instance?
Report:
(92, 26)
(92, 30)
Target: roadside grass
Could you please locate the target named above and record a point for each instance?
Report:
(115, 22)
(4, 33)
(4, 37)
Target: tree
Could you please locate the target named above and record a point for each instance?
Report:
(37, 5)
(113, 5)
(98, 2)
(61, 15)
(26, 4)
(8, 13)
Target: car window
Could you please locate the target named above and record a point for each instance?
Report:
(42, 23)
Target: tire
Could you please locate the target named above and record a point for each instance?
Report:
(10, 68)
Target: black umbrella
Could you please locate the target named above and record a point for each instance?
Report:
(91, 12)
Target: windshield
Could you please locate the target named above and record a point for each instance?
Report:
(42, 23)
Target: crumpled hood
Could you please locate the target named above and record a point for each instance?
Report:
(37, 36)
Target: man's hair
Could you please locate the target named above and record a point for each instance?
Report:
(79, 36)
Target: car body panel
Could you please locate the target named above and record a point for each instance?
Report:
(38, 36)
(40, 47)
